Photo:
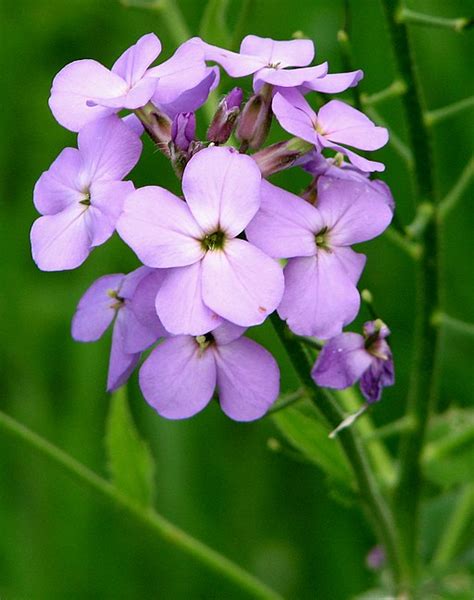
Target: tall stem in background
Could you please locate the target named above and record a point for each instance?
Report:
(423, 382)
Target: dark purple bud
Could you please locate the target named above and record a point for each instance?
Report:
(225, 118)
(256, 118)
(381, 372)
(183, 130)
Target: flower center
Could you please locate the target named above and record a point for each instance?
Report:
(321, 239)
(274, 65)
(87, 200)
(204, 341)
(118, 300)
(213, 241)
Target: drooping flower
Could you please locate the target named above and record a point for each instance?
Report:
(85, 90)
(128, 300)
(322, 271)
(336, 123)
(350, 357)
(211, 274)
(180, 376)
(81, 195)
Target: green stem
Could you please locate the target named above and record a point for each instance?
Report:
(455, 325)
(395, 141)
(287, 400)
(423, 381)
(395, 89)
(324, 402)
(413, 249)
(440, 114)
(423, 216)
(457, 191)
(405, 15)
(460, 521)
(146, 517)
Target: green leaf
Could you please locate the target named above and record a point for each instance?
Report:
(448, 458)
(310, 437)
(130, 462)
(213, 27)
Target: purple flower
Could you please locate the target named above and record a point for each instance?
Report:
(349, 357)
(322, 271)
(332, 83)
(183, 130)
(85, 90)
(129, 299)
(179, 377)
(81, 195)
(267, 59)
(336, 123)
(211, 274)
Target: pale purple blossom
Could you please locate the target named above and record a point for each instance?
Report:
(336, 123)
(322, 271)
(85, 90)
(180, 376)
(211, 273)
(128, 300)
(350, 357)
(81, 195)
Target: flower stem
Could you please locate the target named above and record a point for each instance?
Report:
(423, 381)
(146, 517)
(405, 15)
(457, 191)
(395, 141)
(440, 114)
(324, 402)
(395, 89)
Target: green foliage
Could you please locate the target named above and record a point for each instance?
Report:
(213, 27)
(129, 459)
(310, 437)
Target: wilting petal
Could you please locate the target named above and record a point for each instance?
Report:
(248, 379)
(61, 241)
(380, 374)
(178, 378)
(290, 77)
(341, 362)
(95, 310)
(121, 363)
(334, 83)
(236, 65)
(292, 53)
(109, 149)
(77, 83)
(353, 211)
(183, 71)
(241, 283)
(58, 187)
(344, 124)
(227, 332)
(222, 188)
(159, 227)
(285, 225)
(134, 62)
(294, 119)
(319, 297)
(179, 302)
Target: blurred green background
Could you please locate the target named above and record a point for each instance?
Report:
(215, 478)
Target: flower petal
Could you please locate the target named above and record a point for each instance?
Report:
(109, 149)
(179, 302)
(142, 302)
(58, 187)
(353, 211)
(297, 120)
(290, 77)
(236, 65)
(227, 332)
(291, 53)
(241, 283)
(121, 363)
(285, 224)
(109, 197)
(77, 83)
(334, 83)
(248, 379)
(178, 379)
(159, 227)
(358, 161)
(62, 241)
(341, 362)
(222, 189)
(319, 297)
(134, 62)
(95, 310)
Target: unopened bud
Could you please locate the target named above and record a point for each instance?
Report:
(157, 125)
(183, 130)
(226, 115)
(256, 119)
(275, 158)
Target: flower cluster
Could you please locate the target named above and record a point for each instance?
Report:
(212, 259)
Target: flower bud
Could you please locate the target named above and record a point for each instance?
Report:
(226, 115)
(256, 119)
(157, 125)
(183, 130)
(275, 158)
